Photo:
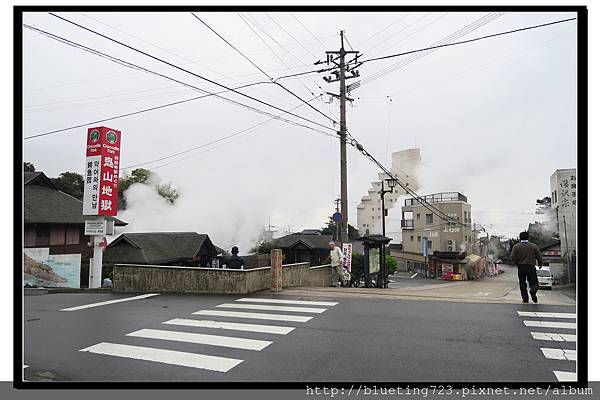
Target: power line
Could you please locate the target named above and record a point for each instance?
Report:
(232, 46)
(308, 30)
(253, 127)
(293, 37)
(261, 70)
(471, 40)
(384, 29)
(404, 62)
(128, 114)
(137, 67)
(190, 72)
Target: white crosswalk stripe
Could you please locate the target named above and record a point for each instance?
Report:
(201, 361)
(207, 362)
(279, 301)
(236, 314)
(546, 314)
(566, 376)
(198, 338)
(273, 308)
(551, 324)
(549, 320)
(277, 330)
(555, 337)
(559, 354)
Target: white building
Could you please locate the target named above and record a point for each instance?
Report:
(404, 167)
(563, 186)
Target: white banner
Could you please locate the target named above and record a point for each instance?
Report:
(91, 188)
(347, 256)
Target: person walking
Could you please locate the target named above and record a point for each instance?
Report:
(336, 263)
(524, 255)
(235, 261)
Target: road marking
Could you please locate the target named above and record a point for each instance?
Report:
(277, 330)
(279, 301)
(273, 308)
(555, 337)
(103, 303)
(220, 364)
(236, 314)
(198, 338)
(546, 314)
(546, 324)
(566, 376)
(559, 354)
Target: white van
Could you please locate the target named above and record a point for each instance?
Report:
(545, 277)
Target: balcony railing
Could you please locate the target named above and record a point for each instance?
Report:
(436, 198)
(407, 224)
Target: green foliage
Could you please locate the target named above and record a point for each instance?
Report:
(358, 265)
(28, 167)
(391, 263)
(143, 176)
(70, 183)
(265, 247)
(331, 229)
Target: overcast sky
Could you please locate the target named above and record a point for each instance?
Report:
(493, 119)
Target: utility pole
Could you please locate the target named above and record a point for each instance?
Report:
(568, 258)
(339, 59)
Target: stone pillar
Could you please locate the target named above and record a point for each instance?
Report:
(276, 270)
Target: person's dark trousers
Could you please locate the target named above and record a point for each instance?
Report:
(527, 274)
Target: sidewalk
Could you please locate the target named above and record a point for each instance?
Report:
(503, 289)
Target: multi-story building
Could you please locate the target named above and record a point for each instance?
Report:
(404, 167)
(563, 186)
(420, 224)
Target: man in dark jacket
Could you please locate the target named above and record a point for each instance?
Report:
(525, 255)
(235, 261)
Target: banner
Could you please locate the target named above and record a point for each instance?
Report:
(347, 256)
(101, 182)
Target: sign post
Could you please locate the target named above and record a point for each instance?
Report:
(101, 190)
(276, 270)
(425, 241)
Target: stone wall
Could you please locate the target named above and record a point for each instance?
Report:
(172, 279)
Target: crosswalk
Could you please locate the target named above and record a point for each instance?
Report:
(262, 309)
(560, 333)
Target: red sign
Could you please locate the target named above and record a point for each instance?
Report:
(103, 158)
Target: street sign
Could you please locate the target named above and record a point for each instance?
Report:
(337, 217)
(101, 181)
(425, 246)
(95, 227)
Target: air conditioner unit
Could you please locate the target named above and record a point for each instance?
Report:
(451, 245)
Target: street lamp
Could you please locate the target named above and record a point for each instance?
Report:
(383, 266)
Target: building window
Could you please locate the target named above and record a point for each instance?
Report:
(57, 236)
(364, 225)
(373, 217)
(29, 237)
(418, 238)
(418, 217)
(373, 209)
(412, 238)
(466, 219)
(42, 237)
(429, 219)
(429, 243)
(73, 235)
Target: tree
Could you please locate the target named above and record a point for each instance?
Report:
(331, 229)
(265, 247)
(145, 177)
(70, 183)
(28, 167)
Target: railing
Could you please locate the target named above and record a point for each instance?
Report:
(407, 224)
(436, 198)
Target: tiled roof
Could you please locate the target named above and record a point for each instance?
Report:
(152, 247)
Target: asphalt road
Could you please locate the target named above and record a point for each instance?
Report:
(354, 340)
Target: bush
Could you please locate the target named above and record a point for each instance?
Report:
(358, 264)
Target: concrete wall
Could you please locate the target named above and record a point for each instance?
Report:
(171, 279)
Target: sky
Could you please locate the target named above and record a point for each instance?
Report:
(493, 119)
